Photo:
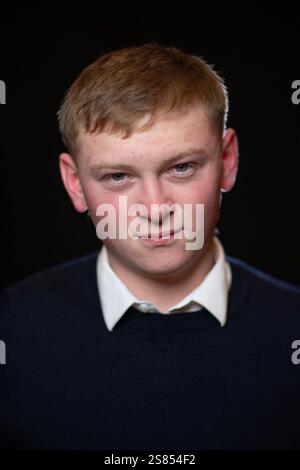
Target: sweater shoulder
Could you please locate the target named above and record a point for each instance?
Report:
(47, 287)
(264, 288)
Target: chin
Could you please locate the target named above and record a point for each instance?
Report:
(162, 266)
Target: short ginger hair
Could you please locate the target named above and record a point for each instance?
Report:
(113, 93)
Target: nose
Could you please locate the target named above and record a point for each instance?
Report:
(153, 192)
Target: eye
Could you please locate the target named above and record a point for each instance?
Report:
(115, 177)
(183, 167)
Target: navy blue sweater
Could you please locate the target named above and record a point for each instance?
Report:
(156, 381)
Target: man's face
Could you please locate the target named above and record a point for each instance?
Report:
(144, 169)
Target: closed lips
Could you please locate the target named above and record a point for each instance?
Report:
(161, 234)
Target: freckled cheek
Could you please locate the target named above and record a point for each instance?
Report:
(199, 193)
(95, 197)
(206, 194)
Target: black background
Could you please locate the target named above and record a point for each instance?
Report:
(256, 50)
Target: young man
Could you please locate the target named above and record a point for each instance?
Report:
(149, 343)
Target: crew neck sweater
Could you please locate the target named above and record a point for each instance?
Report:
(157, 382)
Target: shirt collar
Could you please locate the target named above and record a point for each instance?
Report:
(116, 298)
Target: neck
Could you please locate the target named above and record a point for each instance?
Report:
(168, 291)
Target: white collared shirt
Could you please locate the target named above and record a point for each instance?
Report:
(212, 292)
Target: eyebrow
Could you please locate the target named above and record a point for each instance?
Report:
(95, 168)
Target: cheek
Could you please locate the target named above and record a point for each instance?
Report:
(96, 196)
(207, 192)
(203, 192)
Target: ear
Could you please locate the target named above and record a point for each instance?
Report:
(70, 177)
(230, 159)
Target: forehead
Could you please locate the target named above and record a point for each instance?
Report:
(171, 134)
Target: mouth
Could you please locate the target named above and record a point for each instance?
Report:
(160, 235)
(164, 237)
